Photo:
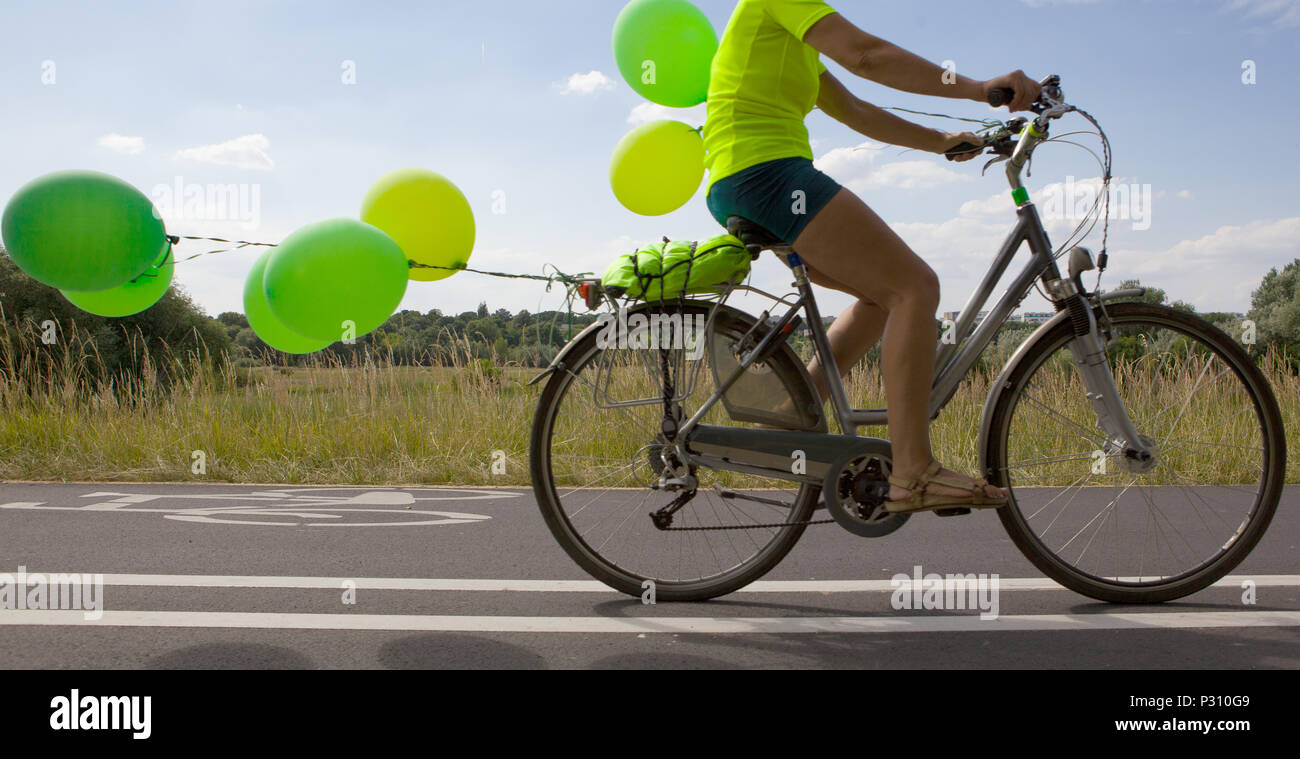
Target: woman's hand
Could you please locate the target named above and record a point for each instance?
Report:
(949, 141)
(1027, 90)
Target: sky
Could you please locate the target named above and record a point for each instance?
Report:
(302, 105)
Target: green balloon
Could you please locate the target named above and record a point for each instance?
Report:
(82, 231)
(665, 49)
(131, 298)
(335, 279)
(268, 328)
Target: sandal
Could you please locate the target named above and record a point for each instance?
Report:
(918, 500)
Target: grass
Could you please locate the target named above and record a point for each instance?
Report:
(373, 422)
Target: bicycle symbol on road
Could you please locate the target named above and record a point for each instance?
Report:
(291, 507)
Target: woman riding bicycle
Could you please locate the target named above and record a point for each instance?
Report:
(766, 79)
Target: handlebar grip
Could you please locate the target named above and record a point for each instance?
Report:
(1001, 96)
(960, 150)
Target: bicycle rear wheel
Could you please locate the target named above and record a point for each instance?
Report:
(1120, 531)
(597, 445)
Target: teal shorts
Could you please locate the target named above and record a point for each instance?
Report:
(782, 196)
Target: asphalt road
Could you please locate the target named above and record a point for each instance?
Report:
(200, 576)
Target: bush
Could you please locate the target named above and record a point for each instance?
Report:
(166, 339)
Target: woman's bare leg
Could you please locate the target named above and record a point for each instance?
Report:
(848, 243)
(851, 335)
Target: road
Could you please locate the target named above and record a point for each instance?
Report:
(220, 576)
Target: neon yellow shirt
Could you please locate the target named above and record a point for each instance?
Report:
(763, 84)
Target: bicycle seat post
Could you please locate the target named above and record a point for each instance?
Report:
(795, 262)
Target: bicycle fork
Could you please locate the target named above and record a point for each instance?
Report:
(1088, 349)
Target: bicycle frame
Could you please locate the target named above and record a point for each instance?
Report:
(955, 358)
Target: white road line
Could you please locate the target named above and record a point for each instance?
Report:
(647, 624)
(590, 586)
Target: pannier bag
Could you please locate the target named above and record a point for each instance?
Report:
(670, 269)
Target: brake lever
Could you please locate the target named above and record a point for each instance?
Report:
(999, 159)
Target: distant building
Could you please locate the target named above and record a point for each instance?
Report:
(952, 316)
(1036, 317)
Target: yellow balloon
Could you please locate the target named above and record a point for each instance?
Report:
(427, 216)
(657, 167)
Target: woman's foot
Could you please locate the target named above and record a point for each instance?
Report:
(939, 488)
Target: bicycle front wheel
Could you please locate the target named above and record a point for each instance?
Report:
(598, 447)
(1125, 532)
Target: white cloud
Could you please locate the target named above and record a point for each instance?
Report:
(122, 144)
(846, 161)
(1217, 272)
(586, 84)
(910, 175)
(856, 169)
(645, 112)
(1261, 241)
(247, 152)
(995, 205)
(1280, 13)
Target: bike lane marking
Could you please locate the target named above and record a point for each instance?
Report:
(591, 586)
(670, 625)
(309, 507)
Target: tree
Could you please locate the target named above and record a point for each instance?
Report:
(1275, 308)
(1153, 295)
(483, 329)
(234, 322)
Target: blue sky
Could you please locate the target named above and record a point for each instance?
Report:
(253, 94)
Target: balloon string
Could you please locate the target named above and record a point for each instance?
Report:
(570, 281)
(549, 279)
(176, 240)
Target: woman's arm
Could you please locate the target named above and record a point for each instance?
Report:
(836, 101)
(883, 62)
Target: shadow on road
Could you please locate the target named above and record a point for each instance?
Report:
(445, 651)
(231, 656)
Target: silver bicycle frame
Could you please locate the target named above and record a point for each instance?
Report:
(956, 357)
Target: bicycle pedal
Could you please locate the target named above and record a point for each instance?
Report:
(958, 512)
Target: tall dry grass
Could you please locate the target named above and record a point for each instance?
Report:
(370, 421)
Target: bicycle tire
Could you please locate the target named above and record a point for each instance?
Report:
(590, 559)
(1130, 315)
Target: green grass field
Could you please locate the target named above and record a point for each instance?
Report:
(373, 423)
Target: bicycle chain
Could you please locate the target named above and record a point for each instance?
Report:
(747, 526)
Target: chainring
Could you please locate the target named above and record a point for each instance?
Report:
(856, 490)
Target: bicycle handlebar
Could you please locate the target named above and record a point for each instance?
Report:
(1001, 96)
(1048, 107)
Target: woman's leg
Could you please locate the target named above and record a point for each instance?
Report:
(851, 335)
(848, 243)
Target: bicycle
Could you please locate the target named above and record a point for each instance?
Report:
(1142, 446)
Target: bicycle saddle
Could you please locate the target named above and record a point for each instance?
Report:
(756, 238)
